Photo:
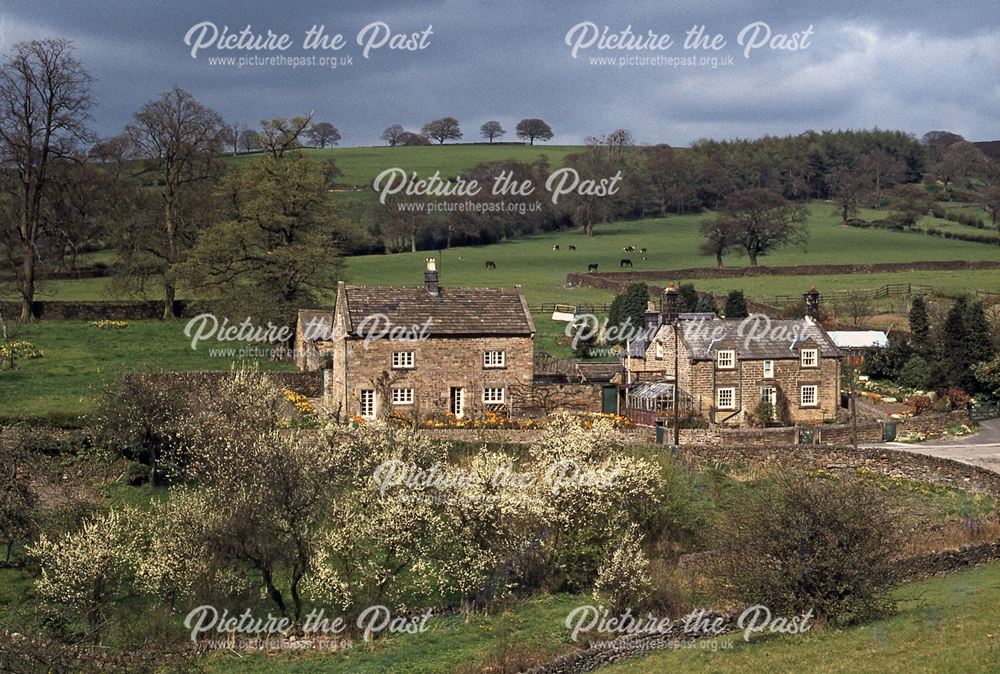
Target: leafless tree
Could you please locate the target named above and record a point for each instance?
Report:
(491, 130)
(323, 134)
(858, 305)
(44, 108)
(392, 134)
(533, 129)
(442, 129)
(279, 135)
(178, 137)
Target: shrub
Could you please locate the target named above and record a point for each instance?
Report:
(623, 579)
(799, 543)
(915, 373)
(763, 413)
(920, 404)
(957, 398)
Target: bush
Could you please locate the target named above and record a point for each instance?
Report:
(800, 543)
(957, 398)
(915, 373)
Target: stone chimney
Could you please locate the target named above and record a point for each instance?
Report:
(431, 277)
(650, 317)
(670, 305)
(811, 303)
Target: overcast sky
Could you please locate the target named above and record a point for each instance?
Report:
(913, 66)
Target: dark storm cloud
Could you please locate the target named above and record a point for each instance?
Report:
(914, 65)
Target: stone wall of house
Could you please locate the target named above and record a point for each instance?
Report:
(700, 379)
(440, 363)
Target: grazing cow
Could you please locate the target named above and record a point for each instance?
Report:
(572, 247)
(628, 249)
(555, 248)
(643, 258)
(642, 250)
(490, 264)
(626, 262)
(591, 267)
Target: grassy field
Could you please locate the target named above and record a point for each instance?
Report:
(360, 165)
(673, 243)
(80, 358)
(945, 624)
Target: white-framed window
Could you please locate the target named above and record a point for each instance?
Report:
(809, 395)
(768, 369)
(725, 359)
(809, 358)
(457, 401)
(659, 351)
(494, 358)
(725, 398)
(368, 404)
(403, 360)
(402, 396)
(494, 394)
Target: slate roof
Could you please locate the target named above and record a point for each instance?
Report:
(452, 312)
(783, 339)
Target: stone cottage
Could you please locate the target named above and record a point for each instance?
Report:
(420, 351)
(725, 368)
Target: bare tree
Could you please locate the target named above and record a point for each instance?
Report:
(442, 129)
(392, 134)
(858, 306)
(323, 134)
(532, 129)
(764, 220)
(491, 130)
(249, 140)
(44, 107)
(720, 237)
(177, 136)
(279, 135)
(230, 135)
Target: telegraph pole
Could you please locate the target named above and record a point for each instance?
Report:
(677, 407)
(854, 403)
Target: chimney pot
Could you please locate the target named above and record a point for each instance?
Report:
(431, 277)
(670, 304)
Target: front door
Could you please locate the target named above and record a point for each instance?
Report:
(456, 403)
(609, 400)
(770, 394)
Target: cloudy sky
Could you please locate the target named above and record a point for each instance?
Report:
(914, 66)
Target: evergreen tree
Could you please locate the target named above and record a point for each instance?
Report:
(954, 343)
(687, 297)
(920, 325)
(979, 341)
(736, 305)
(706, 304)
(629, 307)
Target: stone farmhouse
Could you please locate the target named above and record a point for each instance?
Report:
(725, 368)
(420, 351)
(430, 351)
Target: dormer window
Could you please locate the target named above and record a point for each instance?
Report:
(809, 358)
(725, 359)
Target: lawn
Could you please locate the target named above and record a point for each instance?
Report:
(80, 358)
(949, 623)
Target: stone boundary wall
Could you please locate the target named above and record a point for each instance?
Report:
(896, 462)
(618, 278)
(518, 436)
(136, 310)
(308, 384)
